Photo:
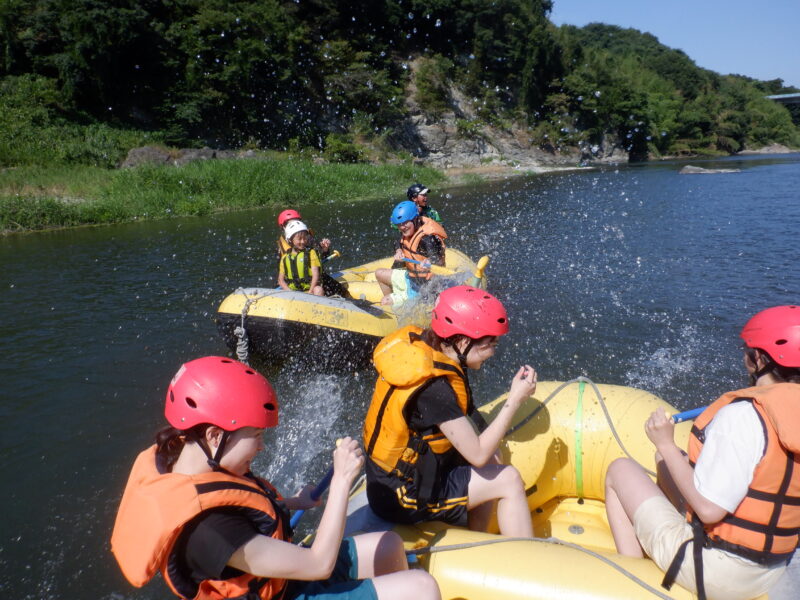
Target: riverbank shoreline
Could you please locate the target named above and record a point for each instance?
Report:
(47, 198)
(36, 198)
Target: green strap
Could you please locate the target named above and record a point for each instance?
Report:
(579, 441)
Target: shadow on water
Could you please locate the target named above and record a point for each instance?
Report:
(635, 276)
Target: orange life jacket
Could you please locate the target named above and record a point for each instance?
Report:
(157, 506)
(405, 365)
(765, 526)
(410, 248)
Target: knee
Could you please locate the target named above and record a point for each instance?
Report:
(423, 584)
(618, 470)
(511, 479)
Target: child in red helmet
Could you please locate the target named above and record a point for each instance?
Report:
(727, 520)
(286, 218)
(290, 215)
(425, 460)
(194, 510)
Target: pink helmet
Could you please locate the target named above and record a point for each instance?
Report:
(222, 392)
(287, 214)
(468, 311)
(776, 331)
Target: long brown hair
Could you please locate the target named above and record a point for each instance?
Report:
(170, 442)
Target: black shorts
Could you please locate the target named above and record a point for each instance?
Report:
(401, 504)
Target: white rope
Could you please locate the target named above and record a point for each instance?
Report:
(549, 540)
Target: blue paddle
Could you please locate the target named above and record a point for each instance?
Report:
(315, 494)
(687, 415)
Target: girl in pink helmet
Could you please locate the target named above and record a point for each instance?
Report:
(193, 509)
(727, 520)
(430, 455)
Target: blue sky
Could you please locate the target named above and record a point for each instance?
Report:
(760, 39)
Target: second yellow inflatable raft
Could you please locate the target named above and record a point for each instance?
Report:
(563, 441)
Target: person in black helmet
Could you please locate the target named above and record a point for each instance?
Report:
(418, 194)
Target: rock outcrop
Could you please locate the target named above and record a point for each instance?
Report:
(692, 170)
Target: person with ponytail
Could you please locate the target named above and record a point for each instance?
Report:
(732, 520)
(193, 510)
(430, 454)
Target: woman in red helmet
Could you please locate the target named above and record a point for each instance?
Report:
(425, 459)
(193, 510)
(739, 488)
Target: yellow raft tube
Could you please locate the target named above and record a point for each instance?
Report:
(273, 323)
(562, 443)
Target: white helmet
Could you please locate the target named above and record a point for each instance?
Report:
(293, 228)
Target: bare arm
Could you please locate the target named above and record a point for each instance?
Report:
(661, 430)
(479, 449)
(282, 281)
(266, 557)
(314, 278)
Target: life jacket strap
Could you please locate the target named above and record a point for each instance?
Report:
(698, 539)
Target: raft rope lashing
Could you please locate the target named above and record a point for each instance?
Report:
(600, 399)
(242, 342)
(548, 540)
(579, 443)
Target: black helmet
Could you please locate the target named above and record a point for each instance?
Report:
(415, 190)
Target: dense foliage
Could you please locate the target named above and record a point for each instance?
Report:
(299, 73)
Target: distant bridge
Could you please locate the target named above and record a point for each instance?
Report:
(785, 98)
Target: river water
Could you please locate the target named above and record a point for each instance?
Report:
(634, 275)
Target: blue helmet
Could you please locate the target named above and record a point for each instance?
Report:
(405, 211)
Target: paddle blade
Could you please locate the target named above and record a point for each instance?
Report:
(475, 280)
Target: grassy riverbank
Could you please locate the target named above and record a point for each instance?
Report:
(36, 197)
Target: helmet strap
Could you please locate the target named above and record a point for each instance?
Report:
(213, 459)
(462, 356)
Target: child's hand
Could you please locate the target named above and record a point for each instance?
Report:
(347, 459)
(398, 254)
(425, 265)
(303, 499)
(660, 429)
(325, 244)
(523, 385)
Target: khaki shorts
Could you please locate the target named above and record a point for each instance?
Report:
(661, 529)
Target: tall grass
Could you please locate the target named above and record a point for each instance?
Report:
(43, 197)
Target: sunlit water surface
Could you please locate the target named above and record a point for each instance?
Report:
(633, 275)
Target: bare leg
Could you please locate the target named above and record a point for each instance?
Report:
(416, 584)
(380, 553)
(381, 556)
(627, 486)
(480, 516)
(667, 484)
(384, 278)
(502, 482)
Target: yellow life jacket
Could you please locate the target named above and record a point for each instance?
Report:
(765, 527)
(283, 246)
(410, 248)
(157, 506)
(297, 269)
(405, 365)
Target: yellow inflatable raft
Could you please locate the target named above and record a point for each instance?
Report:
(562, 443)
(275, 323)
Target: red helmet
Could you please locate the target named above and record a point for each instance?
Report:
(469, 311)
(287, 214)
(222, 392)
(776, 331)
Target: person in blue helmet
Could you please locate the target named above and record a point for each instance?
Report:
(421, 240)
(418, 194)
